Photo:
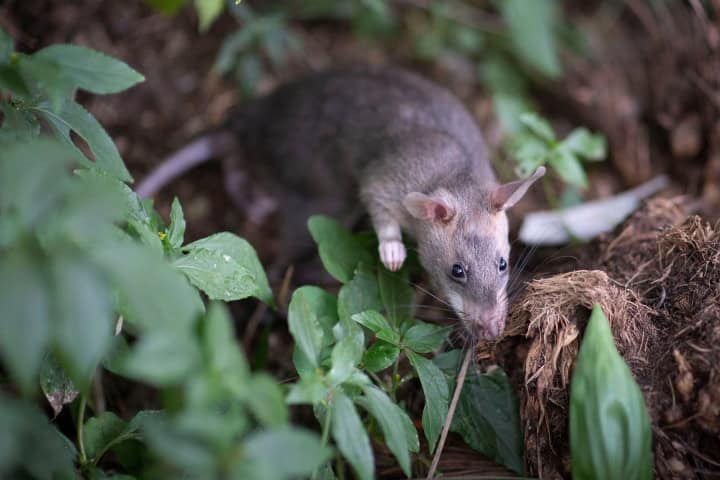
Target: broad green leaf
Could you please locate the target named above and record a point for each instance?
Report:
(529, 151)
(610, 433)
(532, 33)
(7, 46)
(45, 79)
(147, 236)
(100, 432)
(30, 446)
(176, 231)
(162, 358)
(392, 420)
(372, 320)
(286, 452)
(225, 267)
(222, 350)
(358, 295)
(311, 314)
(380, 356)
(538, 125)
(25, 319)
(56, 385)
(425, 337)
(74, 117)
(91, 70)
(309, 390)
(487, 414)
(568, 167)
(208, 11)
(12, 81)
(133, 208)
(346, 354)
(266, 401)
(152, 294)
(586, 145)
(436, 396)
(397, 295)
(81, 309)
(340, 251)
(351, 438)
(179, 442)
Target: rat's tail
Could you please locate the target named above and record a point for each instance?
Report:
(199, 151)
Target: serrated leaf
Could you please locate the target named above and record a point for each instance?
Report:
(380, 356)
(568, 167)
(392, 420)
(176, 231)
(531, 31)
(436, 393)
(91, 70)
(100, 432)
(425, 337)
(340, 251)
(538, 125)
(397, 295)
(74, 117)
(351, 438)
(56, 385)
(286, 452)
(610, 433)
(225, 267)
(311, 315)
(208, 11)
(586, 145)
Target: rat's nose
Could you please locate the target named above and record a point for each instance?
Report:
(490, 324)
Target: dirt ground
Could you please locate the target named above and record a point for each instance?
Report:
(652, 87)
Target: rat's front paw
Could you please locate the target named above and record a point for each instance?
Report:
(392, 254)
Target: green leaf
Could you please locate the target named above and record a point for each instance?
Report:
(340, 251)
(436, 396)
(372, 320)
(56, 385)
(168, 7)
(529, 151)
(176, 232)
(266, 401)
(7, 46)
(425, 337)
(586, 145)
(25, 321)
(345, 356)
(100, 432)
(531, 31)
(208, 11)
(397, 295)
(351, 437)
(310, 390)
(225, 267)
(311, 315)
(81, 309)
(286, 452)
(91, 70)
(31, 447)
(74, 117)
(568, 167)
(222, 350)
(539, 126)
(510, 92)
(12, 81)
(358, 295)
(45, 78)
(380, 356)
(162, 358)
(610, 433)
(132, 207)
(488, 414)
(392, 420)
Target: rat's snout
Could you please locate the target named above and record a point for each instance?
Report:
(486, 321)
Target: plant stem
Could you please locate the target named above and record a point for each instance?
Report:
(326, 427)
(451, 412)
(80, 426)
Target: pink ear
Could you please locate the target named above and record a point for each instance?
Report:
(432, 209)
(506, 195)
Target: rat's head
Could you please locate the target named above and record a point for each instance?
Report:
(463, 245)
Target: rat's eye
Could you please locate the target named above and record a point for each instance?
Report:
(503, 265)
(458, 272)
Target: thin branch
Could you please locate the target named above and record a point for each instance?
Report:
(451, 412)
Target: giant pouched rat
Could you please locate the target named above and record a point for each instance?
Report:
(413, 154)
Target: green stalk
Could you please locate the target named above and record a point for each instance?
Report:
(80, 425)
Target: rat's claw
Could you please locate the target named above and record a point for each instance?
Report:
(392, 254)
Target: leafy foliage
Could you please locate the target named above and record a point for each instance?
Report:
(610, 435)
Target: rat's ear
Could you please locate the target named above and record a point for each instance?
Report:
(506, 195)
(436, 208)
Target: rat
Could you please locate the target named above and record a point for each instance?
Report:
(412, 154)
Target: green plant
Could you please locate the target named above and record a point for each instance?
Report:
(610, 435)
(537, 145)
